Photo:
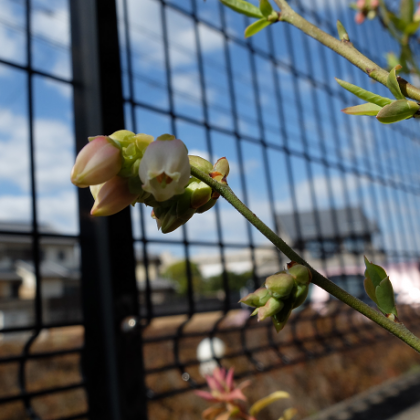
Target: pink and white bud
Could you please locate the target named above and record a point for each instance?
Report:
(99, 161)
(359, 18)
(165, 168)
(113, 197)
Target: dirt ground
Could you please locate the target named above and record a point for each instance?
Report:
(314, 382)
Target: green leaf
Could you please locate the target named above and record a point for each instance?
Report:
(363, 109)
(370, 289)
(392, 83)
(342, 33)
(375, 272)
(398, 23)
(364, 94)
(288, 414)
(397, 111)
(264, 402)
(385, 297)
(411, 28)
(243, 7)
(265, 8)
(256, 27)
(407, 10)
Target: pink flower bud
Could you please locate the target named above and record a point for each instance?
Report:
(374, 4)
(113, 197)
(99, 161)
(360, 4)
(359, 18)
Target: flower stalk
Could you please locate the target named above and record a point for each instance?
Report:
(397, 329)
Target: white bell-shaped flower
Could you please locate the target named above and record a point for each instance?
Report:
(165, 168)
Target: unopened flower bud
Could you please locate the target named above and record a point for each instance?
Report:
(200, 193)
(164, 168)
(301, 274)
(200, 163)
(272, 307)
(220, 171)
(142, 141)
(113, 197)
(301, 295)
(123, 137)
(256, 299)
(280, 319)
(222, 166)
(280, 285)
(99, 161)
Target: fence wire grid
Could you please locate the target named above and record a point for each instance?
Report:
(335, 187)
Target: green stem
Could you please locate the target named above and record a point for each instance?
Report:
(345, 49)
(398, 330)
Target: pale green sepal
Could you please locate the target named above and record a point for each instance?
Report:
(363, 109)
(342, 33)
(166, 137)
(397, 111)
(243, 7)
(364, 94)
(392, 83)
(254, 312)
(266, 401)
(375, 272)
(265, 8)
(370, 289)
(122, 137)
(407, 10)
(385, 297)
(256, 27)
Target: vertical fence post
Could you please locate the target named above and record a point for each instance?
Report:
(112, 360)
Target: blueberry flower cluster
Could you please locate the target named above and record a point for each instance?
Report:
(126, 168)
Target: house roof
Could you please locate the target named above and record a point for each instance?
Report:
(49, 270)
(9, 276)
(17, 228)
(360, 225)
(157, 284)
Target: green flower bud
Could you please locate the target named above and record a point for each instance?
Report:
(272, 307)
(200, 193)
(280, 285)
(280, 318)
(123, 137)
(222, 166)
(207, 206)
(200, 163)
(301, 295)
(257, 299)
(301, 274)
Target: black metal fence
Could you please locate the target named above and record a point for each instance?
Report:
(334, 186)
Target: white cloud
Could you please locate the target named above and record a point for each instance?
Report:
(54, 156)
(146, 36)
(58, 211)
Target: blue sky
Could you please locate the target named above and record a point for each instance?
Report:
(362, 146)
